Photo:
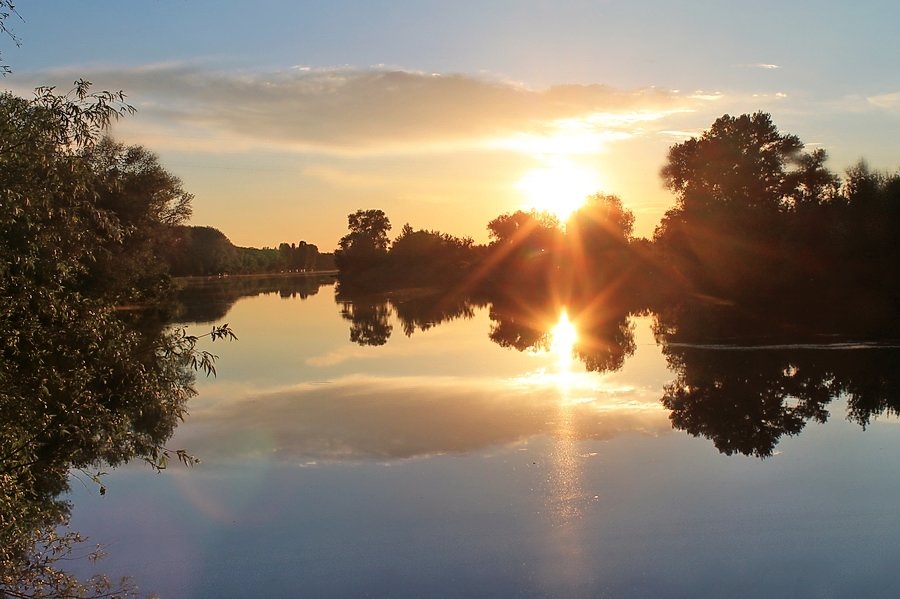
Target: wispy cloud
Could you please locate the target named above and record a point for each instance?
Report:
(705, 96)
(889, 101)
(761, 65)
(345, 110)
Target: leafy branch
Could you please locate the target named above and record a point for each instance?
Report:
(184, 345)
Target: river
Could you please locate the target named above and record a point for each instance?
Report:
(408, 448)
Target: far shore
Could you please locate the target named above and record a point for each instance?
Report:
(259, 275)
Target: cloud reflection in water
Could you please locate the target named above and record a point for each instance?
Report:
(379, 418)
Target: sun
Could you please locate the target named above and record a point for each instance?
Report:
(560, 187)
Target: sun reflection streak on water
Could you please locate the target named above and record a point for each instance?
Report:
(564, 484)
(563, 337)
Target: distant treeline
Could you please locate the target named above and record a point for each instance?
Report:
(757, 221)
(204, 251)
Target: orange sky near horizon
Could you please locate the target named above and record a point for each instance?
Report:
(261, 190)
(282, 118)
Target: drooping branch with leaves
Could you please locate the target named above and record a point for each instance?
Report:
(81, 388)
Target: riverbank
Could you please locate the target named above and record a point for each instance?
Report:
(252, 276)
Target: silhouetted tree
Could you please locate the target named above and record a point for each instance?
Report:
(366, 244)
(601, 223)
(870, 224)
(202, 251)
(302, 256)
(428, 258)
(727, 235)
(525, 252)
(597, 240)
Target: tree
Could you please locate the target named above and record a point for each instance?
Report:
(869, 220)
(420, 257)
(526, 249)
(603, 219)
(79, 386)
(728, 233)
(741, 162)
(308, 253)
(366, 245)
(201, 251)
(535, 230)
(146, 202)
(368, 230)
(598, 236)
(301, 256)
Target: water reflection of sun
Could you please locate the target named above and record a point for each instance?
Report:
(565, 493)
(565, 479)
(563, 337)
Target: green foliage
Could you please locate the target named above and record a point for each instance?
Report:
(146, 202)
(79, 387)
(201, 251)
(206, 251)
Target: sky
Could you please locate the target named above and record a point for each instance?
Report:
(283, 116)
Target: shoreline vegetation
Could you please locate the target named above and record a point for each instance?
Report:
(758, 224)
(760, 233)
(194, 279)
(760, 228)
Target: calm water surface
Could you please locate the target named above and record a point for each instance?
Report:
(442, 464)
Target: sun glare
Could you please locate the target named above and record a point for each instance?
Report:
(563, 337)
(559, 188)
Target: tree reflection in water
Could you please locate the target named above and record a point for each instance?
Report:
(605, 336)
(742, 383)
(369, 314)
(208, 299)
(87, 390)
(745, 398)
(369, 324)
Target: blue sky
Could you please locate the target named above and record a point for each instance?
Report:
(283, 117)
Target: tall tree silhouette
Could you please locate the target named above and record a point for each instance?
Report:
(726, 235)
(366, 244)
